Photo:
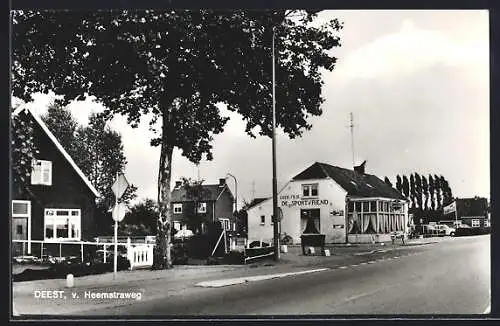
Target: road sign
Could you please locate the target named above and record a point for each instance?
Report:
(120, 185)
(119, 212)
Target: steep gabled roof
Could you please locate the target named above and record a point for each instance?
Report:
(209, 193)
(58, 145)
(355, 183)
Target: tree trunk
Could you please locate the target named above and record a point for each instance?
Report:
(162, 259)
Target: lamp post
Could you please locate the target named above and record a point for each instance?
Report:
(235, 192)
(275, 183)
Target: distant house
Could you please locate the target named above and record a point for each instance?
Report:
(215, 205)
(473, 212)
(345, 205)
(59, 203)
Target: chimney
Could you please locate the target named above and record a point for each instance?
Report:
(178, 184)
(222, 182)
(360, 168)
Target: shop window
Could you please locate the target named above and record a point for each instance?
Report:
(262, 220)
(358, 206)
(350, 206)
(177, 208)
(310, 190)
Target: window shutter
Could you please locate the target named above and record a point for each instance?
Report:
(36, 172)
(47, 173)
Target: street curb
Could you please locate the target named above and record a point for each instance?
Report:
(240, 280)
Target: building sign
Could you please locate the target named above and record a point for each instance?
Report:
(295, 201)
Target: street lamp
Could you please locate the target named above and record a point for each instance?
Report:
(235, 191)
(275, 183)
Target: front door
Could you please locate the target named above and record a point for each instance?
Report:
(21, 228)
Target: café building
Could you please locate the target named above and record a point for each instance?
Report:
(347, 206)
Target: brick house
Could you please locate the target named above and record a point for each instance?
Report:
(216, 204)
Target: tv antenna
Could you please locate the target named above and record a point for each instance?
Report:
(351, 126)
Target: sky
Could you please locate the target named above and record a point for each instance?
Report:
(416, 82)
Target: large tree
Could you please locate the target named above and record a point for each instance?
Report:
(425, 192)
(23, 147)
(418, 190)
(63, 125)
(399, 184)
(432, 192)
(413, 195)
(438, 187)
(406, 187)
(176, 66)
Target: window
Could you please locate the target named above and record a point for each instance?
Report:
(62, 224)
(476, 223)
(366, 206)
(202, 207)
(177, 208)
(358, 206)
(225, 223)
(177, 225)
(21, 208)
(373, 206)
(234, 226)
(350, 206)
(19, 230)
(41, 173)
(262, 220)
(386, 206)
(310, 190)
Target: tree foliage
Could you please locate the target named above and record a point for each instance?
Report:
(141, 218)
(176, 67)
(63, 125)
(23, 147)
(388, 182)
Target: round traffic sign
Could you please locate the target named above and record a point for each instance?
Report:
(119, 212)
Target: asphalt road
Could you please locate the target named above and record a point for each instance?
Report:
(450, 277)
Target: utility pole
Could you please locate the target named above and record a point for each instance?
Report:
(275, 182)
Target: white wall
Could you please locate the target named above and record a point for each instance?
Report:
(257, 231)
(331, 198)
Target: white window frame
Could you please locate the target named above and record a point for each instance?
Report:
(178, 208)
(225, 224)
(475, 223)
(309, 188)
(202, 207)
(44, 175)
(25, 215)
(73, 220)
(177, 223)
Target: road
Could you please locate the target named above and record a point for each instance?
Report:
(451, 277)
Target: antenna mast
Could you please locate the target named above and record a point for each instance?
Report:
(253, 189)
(352, 137)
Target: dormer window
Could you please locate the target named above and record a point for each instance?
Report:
(354, 183)
(310, 190)
(41, 173)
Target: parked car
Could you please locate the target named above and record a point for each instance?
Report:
(445, 230)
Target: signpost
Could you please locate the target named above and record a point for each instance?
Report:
(118, 188)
